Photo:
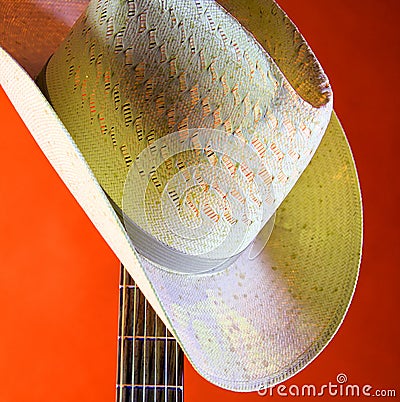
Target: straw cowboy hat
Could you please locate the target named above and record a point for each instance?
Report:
(189, 131)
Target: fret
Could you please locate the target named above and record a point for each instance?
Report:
(150, 361)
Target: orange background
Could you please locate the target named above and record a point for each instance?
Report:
(59, 280)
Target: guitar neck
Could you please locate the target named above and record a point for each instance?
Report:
(150, 361)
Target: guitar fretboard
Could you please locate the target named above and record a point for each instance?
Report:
(150, 361)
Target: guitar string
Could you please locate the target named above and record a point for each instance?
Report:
(176, 371)
(144, 348)
(134, 339)
(155, 356)
(166, 365)
(122, 342)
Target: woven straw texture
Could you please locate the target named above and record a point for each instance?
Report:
(134, 72)
(131, 72)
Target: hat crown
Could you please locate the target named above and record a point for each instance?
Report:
(151, 81)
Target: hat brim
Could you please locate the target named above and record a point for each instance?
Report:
(261, 320)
